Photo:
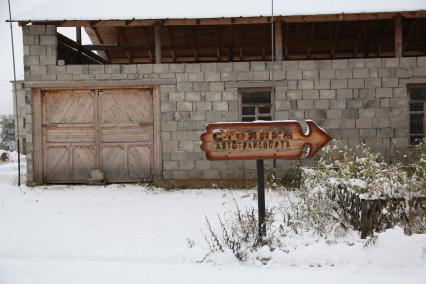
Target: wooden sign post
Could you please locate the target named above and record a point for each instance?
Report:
(259, 141)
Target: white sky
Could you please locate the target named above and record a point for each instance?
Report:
(6, 69)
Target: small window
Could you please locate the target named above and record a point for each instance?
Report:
(256, 105)
(417, 114)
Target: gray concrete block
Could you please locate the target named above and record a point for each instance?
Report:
(305, 104)
(391, 62)
(241, 66)
(203, 106)
(307, 64)
(225, 67)
(257, 66)
(344, 94)
(128, 69)
(176, 68)
(421, 61)
(38, 50)
(343, 73)
(327, 94)
(212, 76)
(192, 96)
(387, 72)
(322, 84)
(216, 86)
(347, 123)
(390, 82)
(384, 93)
(361, 73)
(338, 104)
(184, 106)
(339, 84)
(373, 83)
(294, 94)
(310, 74)
(196, 77)
(321, 104)
(323, 64)
(176, 96)
(306, 84)
(220, 106)
(339, 64)
(261, 75)
(373, 62)
(355, 83)
(310, 94)
(420, 71)
(357, 63)
(213, 96)
(364, 123)
(290, 65)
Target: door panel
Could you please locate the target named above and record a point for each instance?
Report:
(126, 119)
(84, 160)
(69, 135)
(109, 130)
(58, 164)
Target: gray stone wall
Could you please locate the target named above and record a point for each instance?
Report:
(356, 100)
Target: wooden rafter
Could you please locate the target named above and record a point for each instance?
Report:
(384, 33)
(311, 38)
(409, 34)
(231, 20)
(336, 34)
(169, 35)
(359, 37)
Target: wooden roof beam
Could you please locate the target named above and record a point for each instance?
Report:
(231, 20)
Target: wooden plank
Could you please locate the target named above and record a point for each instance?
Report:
(157, 31)
(232, 20)
(158, 150)
(37, 162)
(278, 40)
(99, 83)
(261, 140)
(398, 36)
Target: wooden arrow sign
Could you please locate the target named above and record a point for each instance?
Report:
(262, 140)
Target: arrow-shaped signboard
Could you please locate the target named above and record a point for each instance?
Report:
(262, 140)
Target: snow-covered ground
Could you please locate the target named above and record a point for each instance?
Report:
(137, 234)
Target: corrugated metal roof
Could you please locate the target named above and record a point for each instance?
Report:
(57, 10)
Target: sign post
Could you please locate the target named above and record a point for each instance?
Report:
(260, 141)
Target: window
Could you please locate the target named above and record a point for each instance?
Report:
(417, 113)
(256, 105)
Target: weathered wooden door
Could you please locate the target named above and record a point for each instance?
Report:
(126, 134)
(108, 130)
(69, 135)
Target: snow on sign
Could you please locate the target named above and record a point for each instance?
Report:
(262, 140)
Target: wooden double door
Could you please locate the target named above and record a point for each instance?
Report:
(104, 129)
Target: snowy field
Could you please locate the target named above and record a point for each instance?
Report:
(136, 234)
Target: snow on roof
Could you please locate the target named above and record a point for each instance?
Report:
(57, 10)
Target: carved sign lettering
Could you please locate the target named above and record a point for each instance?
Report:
(262, 140)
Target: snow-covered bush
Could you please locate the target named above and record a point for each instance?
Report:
(7, 133)
(356, 187)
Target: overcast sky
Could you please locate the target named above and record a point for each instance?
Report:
(6, 68)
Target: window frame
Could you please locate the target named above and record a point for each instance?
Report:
(242, 91)
(411, 101)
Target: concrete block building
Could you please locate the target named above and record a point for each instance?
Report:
(133, 103)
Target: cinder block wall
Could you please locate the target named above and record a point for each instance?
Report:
(357, 100)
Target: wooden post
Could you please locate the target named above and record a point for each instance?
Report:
(398, 36)
(261, 196)
(78, 35)
(278, 40)
(78, 40)
(157, 44)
